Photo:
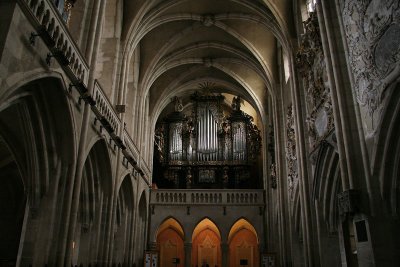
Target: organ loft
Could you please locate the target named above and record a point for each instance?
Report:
(208, 145)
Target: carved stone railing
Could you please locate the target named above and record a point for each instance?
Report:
(130, 145)
(245, 197)
(51, 28)
(145, 167)
(139, 164)
(105, 107)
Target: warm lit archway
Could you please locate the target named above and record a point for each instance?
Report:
(170, 243)
(206, 245)
(243, 245)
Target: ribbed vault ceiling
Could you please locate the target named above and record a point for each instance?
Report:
(179, 44)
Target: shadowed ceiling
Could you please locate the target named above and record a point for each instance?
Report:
(175, 45)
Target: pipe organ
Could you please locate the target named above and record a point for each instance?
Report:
(207, 145)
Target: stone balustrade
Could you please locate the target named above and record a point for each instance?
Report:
(130, 145)
(223, 197)
(145, 167)
(105, 107)
(52, 29)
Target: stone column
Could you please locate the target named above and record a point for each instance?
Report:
(225, 254)
(75, 187)
(188, 254)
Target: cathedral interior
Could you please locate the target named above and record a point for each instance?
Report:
(199, 133)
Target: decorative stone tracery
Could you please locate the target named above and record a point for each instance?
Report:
(292, 170)
(271, 151)
(373, 36)
(311, 65)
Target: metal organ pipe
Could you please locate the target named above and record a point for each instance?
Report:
(174, 142)
(215, 140)
(207, 134)
(211, 137)
(210, 148)
(239, 141)
(202, 134)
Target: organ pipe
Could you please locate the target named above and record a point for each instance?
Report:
(205, 139)
(208, 140)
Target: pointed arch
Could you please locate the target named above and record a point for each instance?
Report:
(170, 241)
(326, 187)
(95, 196)
(141, 229)
(37, 127)
(386, 153)
(124, 234)
(243, 244)
(206, 244)
(206, 222)
(171, 222)
(242, 223)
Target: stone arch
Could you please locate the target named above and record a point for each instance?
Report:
(124, 223)
(386, 170)
(94, 198)
(170, 238)
(243, 244)
(173, 222)
(242, 222)
(141, 232)
(326, 187)
(33, 114)
(386, 154)
(206, 244)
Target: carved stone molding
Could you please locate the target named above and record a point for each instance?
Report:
(291, 158)
(271, 151)
(274, 181)
(373, 36)
(311, 65)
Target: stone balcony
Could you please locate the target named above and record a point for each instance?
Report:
(219, 197)
(52, 29)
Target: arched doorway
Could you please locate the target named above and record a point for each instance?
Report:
(243, 245)
(206, 245)
(170, 244)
